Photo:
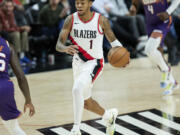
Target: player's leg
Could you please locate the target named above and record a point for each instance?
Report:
(154, 54)
(109, 116)
(151, 49)
(93, 106)
(8, 109)
(80, 84)
(13, 127)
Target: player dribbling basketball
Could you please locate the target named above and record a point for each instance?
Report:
(86, 31)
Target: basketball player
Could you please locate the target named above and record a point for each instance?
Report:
(8, 110)
(86, 31)
(158, 21)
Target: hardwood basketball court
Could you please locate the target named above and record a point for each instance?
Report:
(131, 89)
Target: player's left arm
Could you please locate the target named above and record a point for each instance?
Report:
(104, 23)
(165, 15)
(22, 81)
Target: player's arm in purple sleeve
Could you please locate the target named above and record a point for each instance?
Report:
(60, 47)
(105, 25)
(22, 81)
(165, 15)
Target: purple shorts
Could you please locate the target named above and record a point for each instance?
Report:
(8, 108)
(162, 27)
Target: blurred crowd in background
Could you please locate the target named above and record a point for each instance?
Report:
(33, 27)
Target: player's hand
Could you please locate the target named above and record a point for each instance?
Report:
(163, 16)
(71, 49)
(31, 108)
(133, 10)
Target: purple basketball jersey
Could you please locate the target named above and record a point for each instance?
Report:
(8, 109)
(152, 8)
(4, 58)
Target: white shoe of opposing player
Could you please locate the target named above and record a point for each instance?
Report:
(170, 88)
(110, 118)
(75, 131)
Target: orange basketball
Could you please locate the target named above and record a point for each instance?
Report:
(118, 56)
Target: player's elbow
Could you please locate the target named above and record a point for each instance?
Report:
(58, 48)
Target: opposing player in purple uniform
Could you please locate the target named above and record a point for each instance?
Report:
(158, 22)
(8, 110)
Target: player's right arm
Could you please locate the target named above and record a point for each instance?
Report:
(60, 47)
(22, 81)
(134, 7)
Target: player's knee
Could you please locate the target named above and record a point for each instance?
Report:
(152, 45)
(79, 86)
(77, 89)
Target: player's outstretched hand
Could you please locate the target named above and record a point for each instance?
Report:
(163, 16)
(133, 10)
(71, 49)
(31, 108)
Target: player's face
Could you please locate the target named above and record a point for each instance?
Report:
(83, 6)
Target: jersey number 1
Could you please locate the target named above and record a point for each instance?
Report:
(2, 62)
(91, 44)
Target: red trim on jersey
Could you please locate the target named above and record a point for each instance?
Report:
(72, 23)
(98, 26)
(99, 70)
(81, 50)
(87, 20)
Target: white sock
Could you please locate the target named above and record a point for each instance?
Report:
(13, 127)
(154, 54)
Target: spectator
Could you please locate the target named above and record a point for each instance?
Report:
(51, 17)
(135, 24)
(176, 18)
(18, 35)
(103, 6)
(66, 6)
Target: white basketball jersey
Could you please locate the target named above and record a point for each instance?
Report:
(88, 36)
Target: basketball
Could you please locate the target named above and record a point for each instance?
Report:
(118, 56)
